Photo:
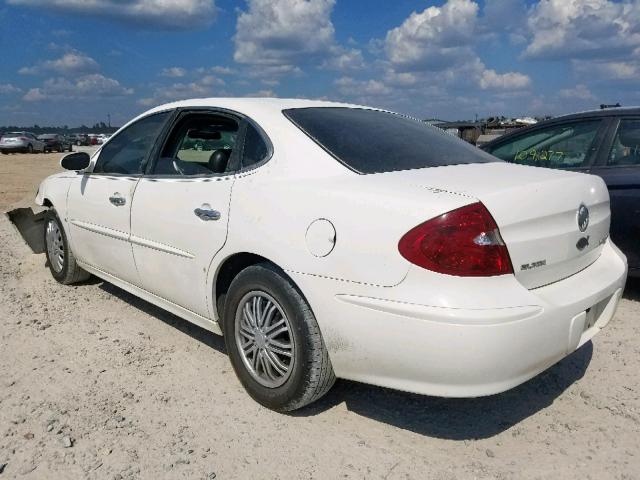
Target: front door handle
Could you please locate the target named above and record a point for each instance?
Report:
(117, 200)
(207, 214)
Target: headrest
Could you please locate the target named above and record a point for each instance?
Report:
(218, 160)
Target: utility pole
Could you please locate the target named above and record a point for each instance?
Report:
(109, 119)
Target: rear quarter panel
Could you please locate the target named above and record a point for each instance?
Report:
(271, 212)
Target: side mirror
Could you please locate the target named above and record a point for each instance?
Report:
(75, 161)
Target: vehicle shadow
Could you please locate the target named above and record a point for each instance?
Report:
(457, 418)
(454, 419)
(30, 225)
(632, 290)
(197, 333)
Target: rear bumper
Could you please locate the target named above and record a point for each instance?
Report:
(13, 149)
(375, 338)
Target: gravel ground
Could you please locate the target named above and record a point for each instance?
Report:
(95, 383)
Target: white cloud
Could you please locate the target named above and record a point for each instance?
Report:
(432, 63)
(200, 88)
(8, 88)
(85, 87)
(34, 95)
(608, 71)
(490, 79)
(220, 70)
(70, 63)
(171, 14)
(28, 71)
(439, 45)
(434, 39)
(289, 33)
(344, 59)
(262, 94)
(173, 72)
(580, 92)
(358, 88)
(583, 29)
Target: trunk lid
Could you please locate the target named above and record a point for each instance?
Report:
(537, 211)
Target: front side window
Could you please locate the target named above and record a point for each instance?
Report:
(626, 145)
(559, 146)
(372, 141)
(199, 144)
(127, 151)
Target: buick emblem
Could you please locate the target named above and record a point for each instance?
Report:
(583, 218)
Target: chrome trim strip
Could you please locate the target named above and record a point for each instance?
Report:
(143, 242)
(109, 232)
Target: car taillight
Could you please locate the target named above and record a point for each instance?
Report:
(465, 242)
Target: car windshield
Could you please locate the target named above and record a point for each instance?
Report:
(12, 135)
(47, 136)
(373, 141)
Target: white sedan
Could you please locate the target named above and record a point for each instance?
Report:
(327, 240)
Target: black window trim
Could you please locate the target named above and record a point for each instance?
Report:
(236, 156)
(144, 161)
(596, 148)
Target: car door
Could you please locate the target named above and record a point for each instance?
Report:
(619, 166)
(99, 201)
(571, 145)
(181, 209)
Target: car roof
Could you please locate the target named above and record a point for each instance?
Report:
(606, 112)
(251, 107)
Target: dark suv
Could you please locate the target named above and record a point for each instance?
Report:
(55, 142)
(602, 142)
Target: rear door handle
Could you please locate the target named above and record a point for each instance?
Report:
(207, 214)
(117, 200)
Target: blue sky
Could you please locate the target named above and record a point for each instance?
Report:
(75, 61)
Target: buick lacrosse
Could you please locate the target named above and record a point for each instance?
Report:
(326, 240)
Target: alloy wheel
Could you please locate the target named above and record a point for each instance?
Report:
(55, 246)
(264, 339)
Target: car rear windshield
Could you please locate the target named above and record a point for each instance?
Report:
(373, 141)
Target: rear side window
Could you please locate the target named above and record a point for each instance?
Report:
(371, 141)
(569, 145)
(255, 149)
(626, 146)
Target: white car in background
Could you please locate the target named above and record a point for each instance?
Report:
(24, 142)
(327, 240)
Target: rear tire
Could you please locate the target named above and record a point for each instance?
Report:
(282, 371)
(30, 148)
(62, 262)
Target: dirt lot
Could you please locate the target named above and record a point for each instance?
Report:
(95, 383)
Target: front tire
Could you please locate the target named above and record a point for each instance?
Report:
(273, 340)
(62, 262)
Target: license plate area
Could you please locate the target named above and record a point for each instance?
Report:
(594, 313)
